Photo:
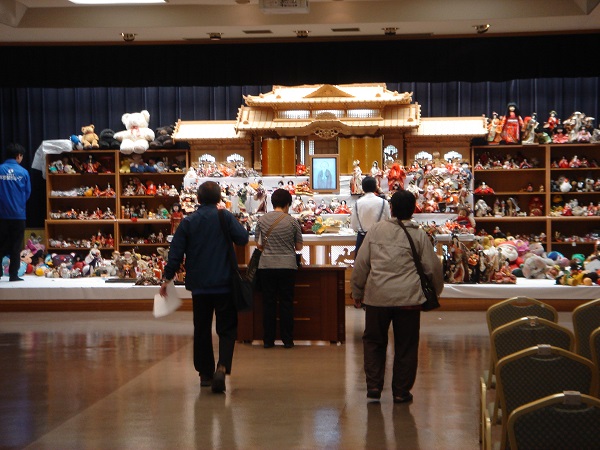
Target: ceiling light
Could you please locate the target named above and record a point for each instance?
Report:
(302, 33)
(215, 36)
(128, 37)
(482, 28)
(390, 31)
(116, 2)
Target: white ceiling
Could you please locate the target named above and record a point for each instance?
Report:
(33, 21)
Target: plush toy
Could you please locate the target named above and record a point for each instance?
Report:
(125, 165)
(92, 261)
(163, 137)
(509, 251)
(58, 259)
(76, 141)
(26, 259)
(107, 140)
(137, 135)
(37, 248)
(537, 248)
(6, 262)
(137, 164)
(536, 267)
(559, 259)
(89, 139)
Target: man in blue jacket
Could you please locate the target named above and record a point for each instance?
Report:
(15, 189)
(201, 240)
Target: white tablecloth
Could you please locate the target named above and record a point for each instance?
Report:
(39, 288)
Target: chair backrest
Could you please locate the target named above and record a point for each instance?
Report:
(567, 420)
(586, 318)
(595, 346)
(516, 307)
(537, 372)
(527, 332)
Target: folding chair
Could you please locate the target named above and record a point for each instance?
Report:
(537, 372)
(524, 333)
(586, 318)
(511, 309)
(567, 420)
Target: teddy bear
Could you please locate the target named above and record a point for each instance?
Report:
(125, 165)
(107, 140)
(163, 137)
(136, 137)
(89, 139)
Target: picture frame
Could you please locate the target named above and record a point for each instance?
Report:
(325, 173)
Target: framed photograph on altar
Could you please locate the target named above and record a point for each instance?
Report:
(325, 173)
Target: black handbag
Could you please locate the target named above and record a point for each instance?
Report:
(431, 298)
(241, 287)
(252, 268)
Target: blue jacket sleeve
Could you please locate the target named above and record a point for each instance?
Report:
(239, 234)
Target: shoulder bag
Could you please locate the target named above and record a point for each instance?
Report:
(431, 298)
(241, 288)
(252, 269)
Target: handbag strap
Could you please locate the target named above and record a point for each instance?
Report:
(279, 219)
(232, 258)
(416, 257)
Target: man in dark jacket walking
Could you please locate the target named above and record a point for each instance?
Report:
(201, 240)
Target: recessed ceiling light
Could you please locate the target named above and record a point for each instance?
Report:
(116, 2)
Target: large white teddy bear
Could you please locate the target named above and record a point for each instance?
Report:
(137, 136)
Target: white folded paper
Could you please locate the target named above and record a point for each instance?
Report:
(163, 306)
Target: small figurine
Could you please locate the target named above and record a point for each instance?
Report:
(356, 180)
(536, 207)
(396, 177)
(483, 188)
(376, 173)
(176, 217)
(290, 187)
(552, 122)
(342, 209)
(512, 124)
(574, 163)
(494, 128)
(563, 163)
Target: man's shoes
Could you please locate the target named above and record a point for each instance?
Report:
(15, 279)
(374, 394)
(218, 381)
(403, 398)
(268, 344)
(205, 381)
(288, 345)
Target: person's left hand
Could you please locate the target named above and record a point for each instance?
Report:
(357, 302)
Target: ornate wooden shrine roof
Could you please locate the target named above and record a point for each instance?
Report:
(319, 96)
(326, 110)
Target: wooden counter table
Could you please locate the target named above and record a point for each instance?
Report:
(319, 305)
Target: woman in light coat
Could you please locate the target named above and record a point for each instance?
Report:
(386, 282)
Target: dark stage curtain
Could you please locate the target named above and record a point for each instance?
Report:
(31, 115)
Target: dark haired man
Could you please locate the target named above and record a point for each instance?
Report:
(369, 210)
(15, 189)
(201, 240)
